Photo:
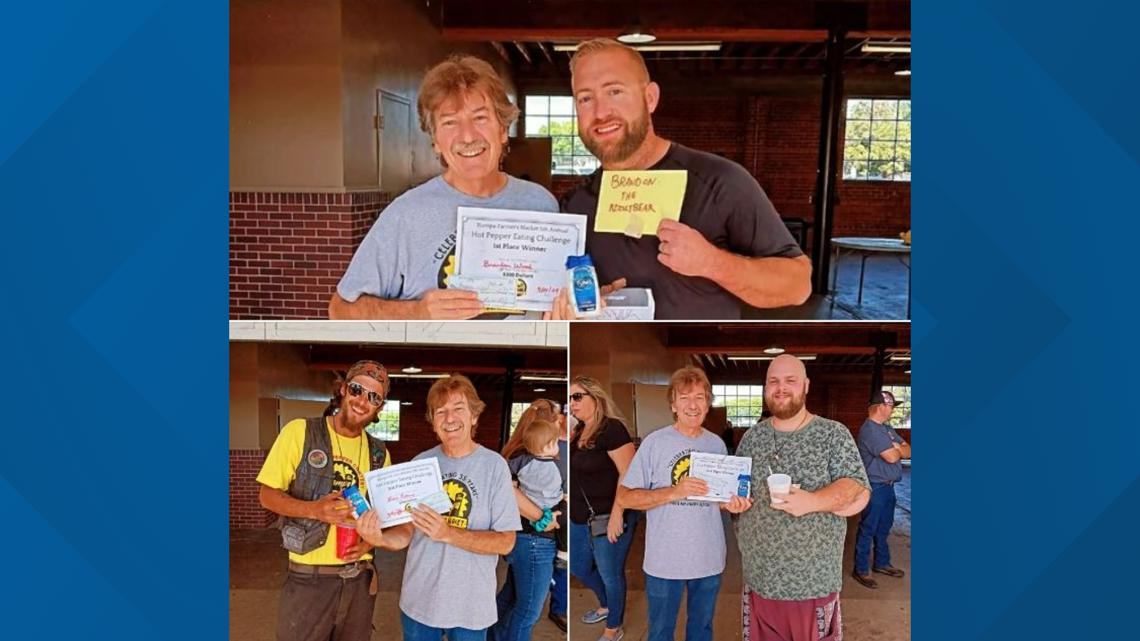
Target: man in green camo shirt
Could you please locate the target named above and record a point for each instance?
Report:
(792, 544)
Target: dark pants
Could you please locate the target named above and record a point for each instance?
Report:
(319, 607)
(874, 527)
(664, 596)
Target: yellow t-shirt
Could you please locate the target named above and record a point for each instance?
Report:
(350, 462)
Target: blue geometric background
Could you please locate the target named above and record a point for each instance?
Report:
(114, 178)
(114, 175)
(1028, 483)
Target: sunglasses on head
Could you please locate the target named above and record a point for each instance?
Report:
(578, 396)
(356, 389)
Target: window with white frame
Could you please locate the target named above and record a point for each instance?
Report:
(386, 427)
(743, 403)
(876, 139)
(555, 117)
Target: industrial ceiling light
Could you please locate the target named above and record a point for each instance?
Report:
(886, 47)
(570, 47)
(548, 379)
(417, 375)
(540, 389)
(405, 403)
(635, 34)
(412, 369)
(902, 72)
(900, 357)
(774, 351)
(802, 357)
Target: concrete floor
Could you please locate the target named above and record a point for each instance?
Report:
(884, 294)
(257, 572)
(868, 615)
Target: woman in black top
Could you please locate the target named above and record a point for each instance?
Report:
(600, 452)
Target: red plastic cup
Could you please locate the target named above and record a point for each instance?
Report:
(346, 537)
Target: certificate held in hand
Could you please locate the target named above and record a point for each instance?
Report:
(722, 473)
(396, 489)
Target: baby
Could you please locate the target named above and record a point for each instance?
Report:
(536, 471)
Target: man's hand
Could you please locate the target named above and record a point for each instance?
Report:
(431, 524)
(797, 502)
(689, 486)
(368, 525)
(564, 310)
(615, 528)
(331, 508)
(684, 249)
(450, 304)
(736, 505)
(355, 552)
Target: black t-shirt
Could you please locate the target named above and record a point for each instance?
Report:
(593, 471)
(722, 201)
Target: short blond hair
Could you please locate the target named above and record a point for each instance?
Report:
(456, 76)
(590, 47)
(686, 377)
(441, 391)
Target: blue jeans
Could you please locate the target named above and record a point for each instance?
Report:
(878, 518)
(664, 596)
(558, 592)
(520, 601)
(600, 565)
(416, 631)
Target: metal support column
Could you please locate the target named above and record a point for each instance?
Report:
(827, 171)
(508, 401)
(877, 371)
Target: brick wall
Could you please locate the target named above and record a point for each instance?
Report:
(289, 250)
(245, 509)
(777, 140)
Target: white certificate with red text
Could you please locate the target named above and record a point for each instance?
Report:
(396, 489)
(527, 248)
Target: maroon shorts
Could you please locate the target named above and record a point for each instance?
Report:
(809, 620)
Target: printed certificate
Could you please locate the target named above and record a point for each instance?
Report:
(721, 472)
(396, 489)
(525, 248)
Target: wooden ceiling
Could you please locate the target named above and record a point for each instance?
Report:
(839, 348)
(780, 36)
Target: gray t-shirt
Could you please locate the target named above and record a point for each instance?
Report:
(541, 481)
(790, 558)
(874, 439)
(411, 247)
(683, 539)
(448, 587)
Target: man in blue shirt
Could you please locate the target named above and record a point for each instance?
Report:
(882, 450)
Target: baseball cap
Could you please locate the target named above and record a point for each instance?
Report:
(884, 398)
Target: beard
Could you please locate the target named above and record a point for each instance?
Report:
(785, 407)
(623, 148)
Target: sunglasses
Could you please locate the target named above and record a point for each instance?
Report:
(578, 396)
(356, 389)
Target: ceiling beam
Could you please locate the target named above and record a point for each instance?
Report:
(525, 54)
(502, 52)
(554, 34)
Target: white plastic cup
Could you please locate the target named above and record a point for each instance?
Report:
(779, 484)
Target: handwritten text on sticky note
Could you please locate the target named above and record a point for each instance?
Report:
(634, 202)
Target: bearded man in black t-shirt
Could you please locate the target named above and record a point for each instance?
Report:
(730, 247)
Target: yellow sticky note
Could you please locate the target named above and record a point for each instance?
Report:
(634, 202)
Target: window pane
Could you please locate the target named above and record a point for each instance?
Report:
(854, 150)
(879, 170)
(858, 108)
(883, 150)
(904, 131)
(579, 148)
(561, 106)
(883, 130)
(537, 105)
(536, 126)
(902, 151)
(858, 130)
(561, 126)
(885, 109)
(904, 110)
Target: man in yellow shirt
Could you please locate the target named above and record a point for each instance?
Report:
(310, 463)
